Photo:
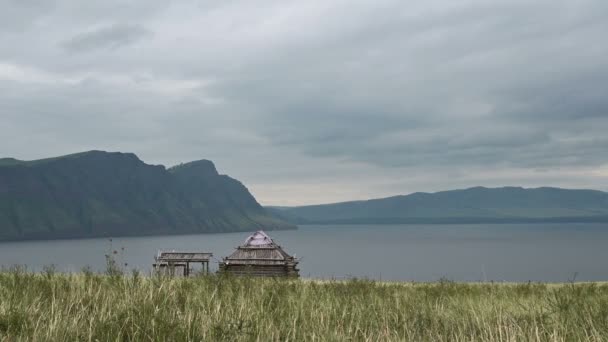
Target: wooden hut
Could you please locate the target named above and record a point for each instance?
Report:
(178, 263)
(260, 256)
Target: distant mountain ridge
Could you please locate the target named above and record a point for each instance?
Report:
(98, 193)
(473, 205)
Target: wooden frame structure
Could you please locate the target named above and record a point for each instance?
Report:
(260, 256)
(178, 263)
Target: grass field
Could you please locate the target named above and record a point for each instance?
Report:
(89, 307)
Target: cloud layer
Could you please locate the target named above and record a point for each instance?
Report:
(111, 37)
(321, 100)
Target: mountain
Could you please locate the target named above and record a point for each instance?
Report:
(98, 193)
(474, 205)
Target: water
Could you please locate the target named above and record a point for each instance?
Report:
(503, 252)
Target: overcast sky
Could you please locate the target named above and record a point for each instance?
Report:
(316, 101)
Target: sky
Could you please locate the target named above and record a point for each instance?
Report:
(314, 101)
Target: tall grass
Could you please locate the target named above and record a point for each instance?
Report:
(88, 307)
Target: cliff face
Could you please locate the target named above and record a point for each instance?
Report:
(113, 194)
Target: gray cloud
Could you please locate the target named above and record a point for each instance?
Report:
(17, 15)
(332, 99)
(500, 85)
(110, 37)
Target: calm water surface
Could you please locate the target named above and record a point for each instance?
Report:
(504, 252)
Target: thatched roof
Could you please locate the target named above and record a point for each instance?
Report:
(259, 249)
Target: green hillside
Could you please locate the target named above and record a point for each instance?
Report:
(479, 204)
(113, 194)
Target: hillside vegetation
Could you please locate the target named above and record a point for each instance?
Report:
(474, 205)
(90, 307)
(114, 194)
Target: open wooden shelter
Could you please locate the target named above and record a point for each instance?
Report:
(260, 256)
(178, 263)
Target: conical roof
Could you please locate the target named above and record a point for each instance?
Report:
(258, 249)
(258, 238)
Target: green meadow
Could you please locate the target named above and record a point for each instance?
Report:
(50, 306)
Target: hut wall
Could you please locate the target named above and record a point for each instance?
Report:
(260, 270)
